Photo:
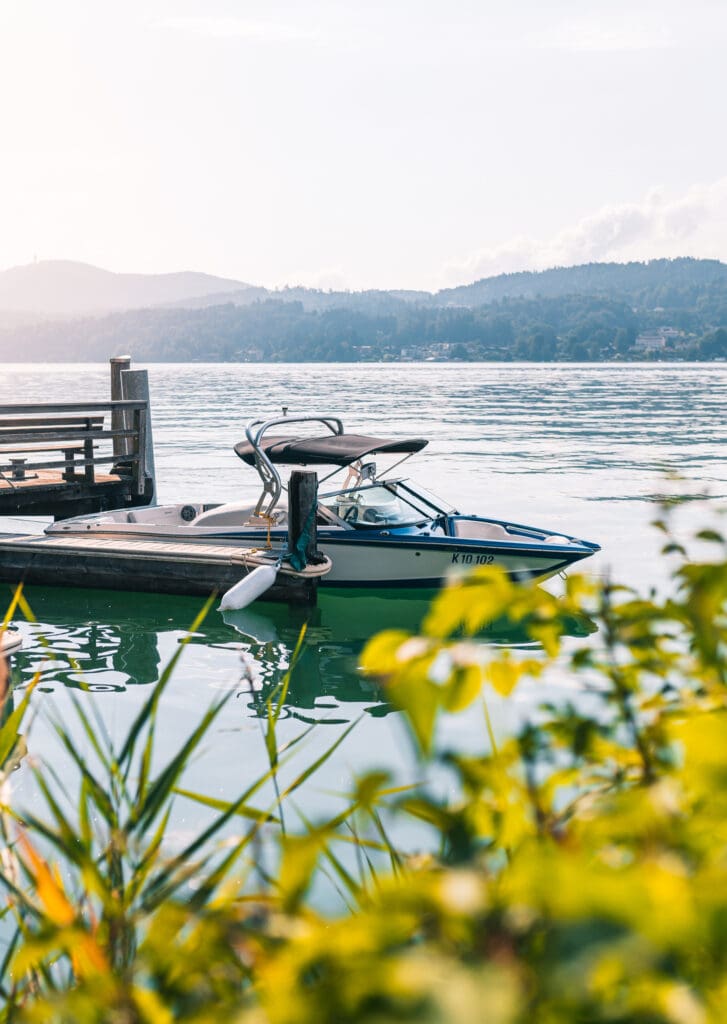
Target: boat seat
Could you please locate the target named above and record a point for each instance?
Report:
(238, 514)
(476, 529)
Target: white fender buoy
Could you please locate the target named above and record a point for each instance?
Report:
(249, 588)
(10, 640)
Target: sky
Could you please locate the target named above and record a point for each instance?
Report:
(408, 143)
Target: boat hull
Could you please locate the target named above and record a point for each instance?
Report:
(417, 562)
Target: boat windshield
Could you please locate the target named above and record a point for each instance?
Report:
(432, 505)
(389, 504)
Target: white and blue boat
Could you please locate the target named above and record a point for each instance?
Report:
(379, 530)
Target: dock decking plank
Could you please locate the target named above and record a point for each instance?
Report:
(51, 478)
(140, 564)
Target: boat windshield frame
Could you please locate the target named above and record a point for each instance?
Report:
(271, 480)
(426, 514)
(442, 508)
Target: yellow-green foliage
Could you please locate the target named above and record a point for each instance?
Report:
(577, 871)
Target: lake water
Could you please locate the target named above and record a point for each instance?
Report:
(584, 449)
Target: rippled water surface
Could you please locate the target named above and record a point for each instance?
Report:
(587, 450)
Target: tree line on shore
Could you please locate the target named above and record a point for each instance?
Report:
(688, 297)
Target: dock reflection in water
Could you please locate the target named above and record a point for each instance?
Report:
(112, 641)
(98, 640)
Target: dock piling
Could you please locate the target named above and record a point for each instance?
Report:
(302, 503)
(119, 419)
(135, 387)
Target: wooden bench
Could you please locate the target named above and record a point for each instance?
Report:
(31, 435)
(18, 466)
(21, 436)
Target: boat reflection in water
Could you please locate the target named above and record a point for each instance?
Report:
(110, 641)
(337, 630)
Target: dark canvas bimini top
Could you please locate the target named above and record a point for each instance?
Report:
(333, 450)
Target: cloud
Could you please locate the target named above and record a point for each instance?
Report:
(693, 224)
(242, 28)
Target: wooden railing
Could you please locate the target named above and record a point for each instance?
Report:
(74, 437)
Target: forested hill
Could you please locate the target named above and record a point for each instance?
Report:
(666, 283)
(662, 309)
(678, 283)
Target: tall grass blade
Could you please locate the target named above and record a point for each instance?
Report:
(162, 787)
(10, 729)
(10, 613)
(147, 715)
(319, 762)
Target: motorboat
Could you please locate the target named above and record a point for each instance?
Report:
(378, 530)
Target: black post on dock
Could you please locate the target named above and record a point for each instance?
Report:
(302, 505)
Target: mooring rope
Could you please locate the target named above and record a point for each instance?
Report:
(297, 556)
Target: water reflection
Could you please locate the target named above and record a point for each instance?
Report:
(337, 630)
(108, 641)
(102, 640)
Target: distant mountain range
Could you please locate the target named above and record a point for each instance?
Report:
(63, 288)
(66, 310)
(67, 288)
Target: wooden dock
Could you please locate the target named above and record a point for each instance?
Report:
(138, 562)
(49, 456)
(50, 453)
(112, 562)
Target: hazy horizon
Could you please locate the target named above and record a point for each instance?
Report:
(335, 146)
(227, 284)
